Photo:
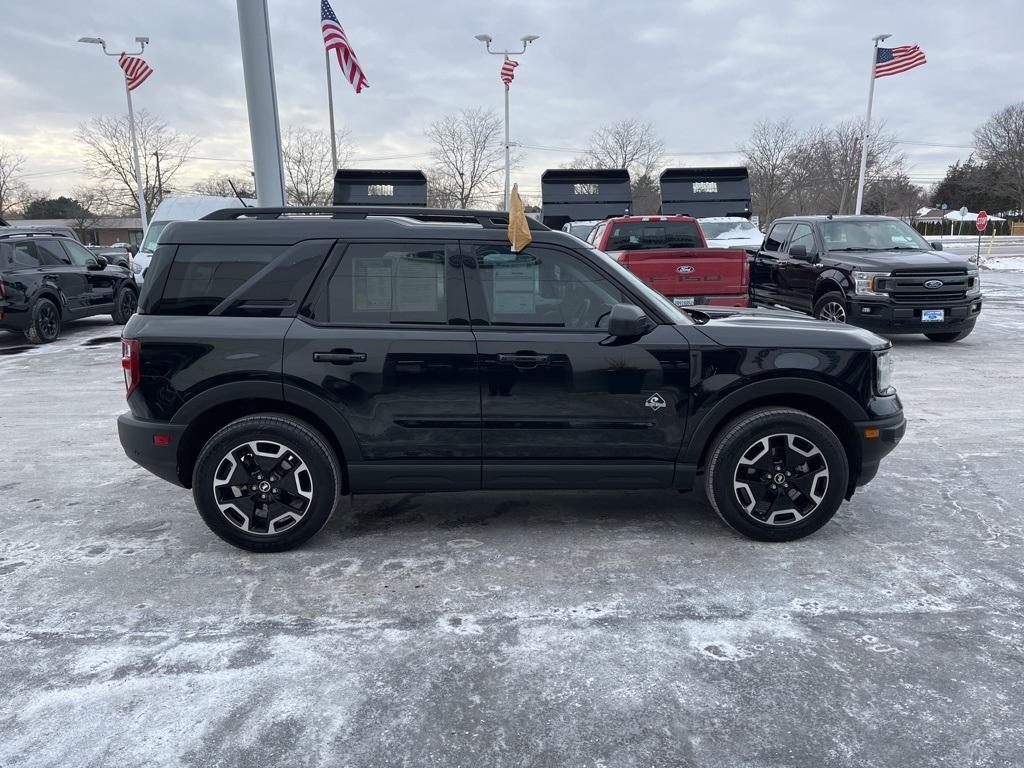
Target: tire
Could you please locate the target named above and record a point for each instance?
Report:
(44, 326)
(947, 338)
(308, 490)
(809, 450)
(831, 306)
(125, 303)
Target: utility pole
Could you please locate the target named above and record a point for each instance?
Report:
(159, 179)
(526, 40)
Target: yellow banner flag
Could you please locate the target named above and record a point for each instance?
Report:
(518, 226)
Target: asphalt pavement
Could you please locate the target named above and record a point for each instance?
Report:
(519, 629)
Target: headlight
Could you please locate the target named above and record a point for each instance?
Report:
(870, 283)
(136, 268)
(883, 373)
(973, 281)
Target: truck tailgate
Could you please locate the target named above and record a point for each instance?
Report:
(710, 275)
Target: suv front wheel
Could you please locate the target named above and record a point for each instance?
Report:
(266, 483)
(831, 308)
(776, 474)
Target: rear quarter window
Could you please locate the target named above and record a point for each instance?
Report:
(201, 276)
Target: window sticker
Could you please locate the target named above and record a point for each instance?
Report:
(515, 289)
(371, 285)
(418, 282)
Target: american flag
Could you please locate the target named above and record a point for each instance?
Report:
(508, 71)
(135, 70)
(335, 40)
(892, 61)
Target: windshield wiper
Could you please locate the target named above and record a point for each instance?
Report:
(835, 250)
(904, 248)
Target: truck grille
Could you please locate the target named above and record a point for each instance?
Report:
(909, 287)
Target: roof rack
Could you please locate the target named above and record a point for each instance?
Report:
(33, 232)
(486, 219)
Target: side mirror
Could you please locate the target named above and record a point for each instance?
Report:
(100, 262)
(800, 252)
(937, 245)
(628, 320)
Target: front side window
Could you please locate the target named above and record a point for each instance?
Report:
(51, 254)
(650, 235)
(383, 284)
(777, 237)
(79, 255)
(802, 235)
(542, 287)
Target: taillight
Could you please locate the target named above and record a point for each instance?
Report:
(130, 364)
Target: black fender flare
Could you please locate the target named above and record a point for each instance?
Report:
(832, 276)
(849, 408)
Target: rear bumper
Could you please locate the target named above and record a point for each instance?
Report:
(877, 439)
(887, 317)
(136, 437)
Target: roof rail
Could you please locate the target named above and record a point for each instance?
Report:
(486, 219)
(34, 232)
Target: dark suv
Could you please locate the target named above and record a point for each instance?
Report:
(47, 280)
(873, 271)
(283, 357)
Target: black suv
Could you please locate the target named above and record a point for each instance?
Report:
(283, 357)
(873, 271)
(46, 280)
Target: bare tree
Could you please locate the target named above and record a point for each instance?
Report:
(770, 153)
(1000, 143)
(13, 192)
(626, 144)
(219, 185)
(468, 156)
(308, 175)
(108, 157)
(89, 211)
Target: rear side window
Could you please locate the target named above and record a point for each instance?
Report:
(777, 236)
(650, 235)
(51, 254)
(203, 276)
(23, 254)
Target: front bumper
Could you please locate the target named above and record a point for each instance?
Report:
(878, 438)
(888, 317)
(137, 439)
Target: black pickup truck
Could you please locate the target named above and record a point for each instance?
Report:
(873, 271)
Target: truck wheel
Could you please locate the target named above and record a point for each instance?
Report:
(266, 483)
(831, 308)
(45, 322)
(125, 303)
(946, 338)
(776, 474)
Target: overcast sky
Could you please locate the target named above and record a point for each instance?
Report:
(702, 71)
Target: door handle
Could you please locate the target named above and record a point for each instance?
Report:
(524, 360)
(339, 358)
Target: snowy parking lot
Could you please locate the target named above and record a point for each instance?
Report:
(541, 629)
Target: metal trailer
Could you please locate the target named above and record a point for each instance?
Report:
(701, 192)
(584, 194)
(363, 187)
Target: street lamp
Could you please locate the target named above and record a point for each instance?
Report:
(139, 189)
(526, 40)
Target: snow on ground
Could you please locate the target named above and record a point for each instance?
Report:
(561, 629)
(1005, 264)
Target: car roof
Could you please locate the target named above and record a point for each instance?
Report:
(652, 217)
(271, 226)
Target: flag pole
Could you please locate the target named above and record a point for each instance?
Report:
(330, 113)
(867, 125)
(508, 151)
(139, 188)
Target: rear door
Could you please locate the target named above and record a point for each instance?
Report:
(385, 342)
(562, 401)
(765, 281)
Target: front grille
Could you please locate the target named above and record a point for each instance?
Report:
(908, 287)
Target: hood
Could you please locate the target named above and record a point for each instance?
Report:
(757, 327)
(886, 261)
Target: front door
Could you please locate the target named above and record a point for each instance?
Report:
(562, 401)
(385, 341)
(74, 285)
(800, 275)
(101, 281)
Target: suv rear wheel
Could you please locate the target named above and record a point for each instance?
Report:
(776, 474)
(125, 303)
(831, 308)
(266, 483)
(45, 322)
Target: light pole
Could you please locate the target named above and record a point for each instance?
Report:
(139, 188)
(867, 124)
(526, 40)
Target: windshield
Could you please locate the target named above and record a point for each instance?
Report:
(730, 230)
(152, 235)
(669, 309)
(649, 235)
(879, 235)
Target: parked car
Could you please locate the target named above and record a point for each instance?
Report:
(45, 281)
(113, 254)
(873, 271)
(279, 362)
(580, 229)
(669, 253)
(184, 208)
(731, 232)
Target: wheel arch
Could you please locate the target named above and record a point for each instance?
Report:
(829, 281)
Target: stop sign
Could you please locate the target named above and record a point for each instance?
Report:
(982, 221)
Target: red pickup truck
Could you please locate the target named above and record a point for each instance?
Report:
(670, 254)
